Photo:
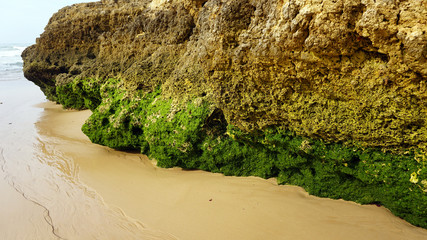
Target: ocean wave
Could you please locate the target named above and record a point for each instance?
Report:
(20, 48)
(10, 58)
(11, 53)
(11, 74)
(11, 50)
(15, 64)
(11, 66)
(11, 62)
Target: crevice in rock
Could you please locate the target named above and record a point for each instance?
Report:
(398, 18)
(215, 124)
(354, 15)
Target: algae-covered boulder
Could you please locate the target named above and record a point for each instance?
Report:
(328, 95)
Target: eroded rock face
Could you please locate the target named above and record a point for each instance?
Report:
(329, 95)
(342, 70)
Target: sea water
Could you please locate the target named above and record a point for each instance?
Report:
(11, 62)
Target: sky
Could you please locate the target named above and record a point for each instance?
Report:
(22, 21)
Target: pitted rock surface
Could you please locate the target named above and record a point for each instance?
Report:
(339, 70)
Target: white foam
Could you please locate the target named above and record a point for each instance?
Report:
(11, 52)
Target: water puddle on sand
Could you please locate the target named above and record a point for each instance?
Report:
(56, 184)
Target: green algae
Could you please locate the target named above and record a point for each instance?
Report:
(118, 121)
(195, 135)
(333, 170)
(174, 136)
(79, 94)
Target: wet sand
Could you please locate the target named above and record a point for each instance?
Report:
(56, 183)
(41, 195)
(20, 218)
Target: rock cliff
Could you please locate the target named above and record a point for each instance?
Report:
(326, 94)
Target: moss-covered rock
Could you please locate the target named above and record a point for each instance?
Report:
(328, 95)
(195, 135)
(118, 121)
(79, 94)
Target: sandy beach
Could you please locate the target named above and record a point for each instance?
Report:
(57, 184)
(17, 126)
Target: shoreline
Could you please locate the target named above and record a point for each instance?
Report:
(202, 205)
(17, 126)
(42, 197)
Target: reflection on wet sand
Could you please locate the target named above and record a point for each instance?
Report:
(192, 204)
(19, 217)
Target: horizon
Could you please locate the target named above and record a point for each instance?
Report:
(22, 21)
